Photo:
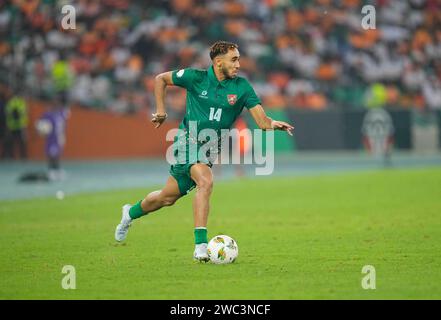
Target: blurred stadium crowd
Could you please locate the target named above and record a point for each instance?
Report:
(310, 54)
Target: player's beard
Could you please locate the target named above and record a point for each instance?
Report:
(227, 74)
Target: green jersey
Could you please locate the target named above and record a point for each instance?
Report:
(210, 103)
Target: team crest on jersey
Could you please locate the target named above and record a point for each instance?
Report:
(232, 98)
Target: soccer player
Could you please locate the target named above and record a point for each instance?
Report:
(215, 98)
(52, 125)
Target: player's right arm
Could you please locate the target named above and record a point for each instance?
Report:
(161, 82)
(182, 78)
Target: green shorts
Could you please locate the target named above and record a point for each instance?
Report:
(181, 172)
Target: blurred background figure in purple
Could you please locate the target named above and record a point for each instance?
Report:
(52, 125)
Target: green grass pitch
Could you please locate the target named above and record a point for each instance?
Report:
(299, 238)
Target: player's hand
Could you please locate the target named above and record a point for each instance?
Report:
(158, 119)
(280, 125)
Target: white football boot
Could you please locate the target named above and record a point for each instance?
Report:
(123, 228)
(200, 253)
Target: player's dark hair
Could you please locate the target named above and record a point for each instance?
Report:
(221, 47)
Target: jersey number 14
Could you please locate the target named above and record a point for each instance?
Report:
(215, 115)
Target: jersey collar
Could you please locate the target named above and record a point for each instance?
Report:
(213, 78)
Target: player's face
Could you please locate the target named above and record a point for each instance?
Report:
(230, 63)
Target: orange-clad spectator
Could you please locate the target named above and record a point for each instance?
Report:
(234, 9)
(235, 27)
(311, 15)
(106, 62)
(101, 45)
(372, 35)
(279, 79)
(294, 20)
(88, 43)
(118, 4)
(80, 64)
(283, 41)
(4, 48)
(316, 101)
(421, 39)
(419, 102)
(351, 3)
(28, 7)
(364, 39)
(274, 101)
(41, 21)
(168, 35)
(392, 95)
(313, 101)
(135, 63)
(182, 6)
(326, 72)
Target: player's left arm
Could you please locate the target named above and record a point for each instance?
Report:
(266, 123)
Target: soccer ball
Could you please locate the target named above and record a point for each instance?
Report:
(222, 249)
(44, 127)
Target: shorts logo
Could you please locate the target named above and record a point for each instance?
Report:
(180, 73)
(232, 98)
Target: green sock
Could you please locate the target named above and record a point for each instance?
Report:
(200, 235)
(136, 211)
